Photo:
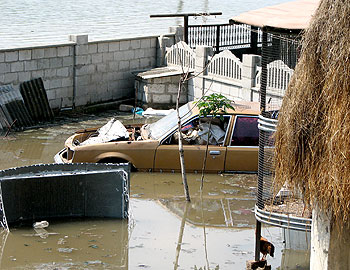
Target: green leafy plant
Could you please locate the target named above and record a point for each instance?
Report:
(212, 106)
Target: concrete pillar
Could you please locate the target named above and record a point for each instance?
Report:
(330, 245)
(164, 42)
(80, 97)
(203, 55)
(249, 70)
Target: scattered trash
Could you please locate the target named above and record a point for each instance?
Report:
(65, 250)
(153, 112)
(93, 246)
(42, 233)
(93, 262)
(114, 130)
(143, 266)
(125, 108)
(137, 110)
(41, 224)
(61, 241)
(217, 135)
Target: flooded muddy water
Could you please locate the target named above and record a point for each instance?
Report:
(214, 231)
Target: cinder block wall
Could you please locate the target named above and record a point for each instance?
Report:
(53, 63)
(80, 72)
(103, 69)
(161, 92)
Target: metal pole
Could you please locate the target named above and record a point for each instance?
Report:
(263, 85)
(254, 40)
(185, 16)
(217, 39)
(257, 240)
(186, 29)
(74, 77)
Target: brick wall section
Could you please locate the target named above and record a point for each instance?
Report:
(103, 70)
(53, 63)
(161, 92)
(81, 72)
(205, 84)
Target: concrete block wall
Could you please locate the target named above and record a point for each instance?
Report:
(53, 63)
(103, 69)
(80, 72)
(161, 92)
(205, 84)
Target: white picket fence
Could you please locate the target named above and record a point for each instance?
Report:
(226, 65)
(180, 55)
(278, 77)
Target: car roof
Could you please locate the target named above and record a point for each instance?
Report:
(240, 107)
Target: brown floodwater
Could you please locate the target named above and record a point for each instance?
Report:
(214, 231)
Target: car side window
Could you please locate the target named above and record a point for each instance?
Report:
(195, 131)
(246, 132)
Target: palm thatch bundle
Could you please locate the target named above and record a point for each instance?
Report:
(313, 134)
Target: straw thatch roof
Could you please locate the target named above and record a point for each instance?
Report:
(313, 134)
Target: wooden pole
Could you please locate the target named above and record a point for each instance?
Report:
(181, 149)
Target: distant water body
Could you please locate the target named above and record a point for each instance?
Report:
(37, 22)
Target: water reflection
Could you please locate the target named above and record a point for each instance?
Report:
(92, 244)
(197, 232)
(228, 200)
(163, 231)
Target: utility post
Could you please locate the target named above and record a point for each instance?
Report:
(185, 17)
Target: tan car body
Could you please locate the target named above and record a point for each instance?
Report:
(149, 154)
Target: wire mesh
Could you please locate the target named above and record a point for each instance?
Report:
(280, 52)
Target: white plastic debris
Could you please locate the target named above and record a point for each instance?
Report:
(217, 135)
(42, 233)
(111, 131)
(41, 224)
(153, 112)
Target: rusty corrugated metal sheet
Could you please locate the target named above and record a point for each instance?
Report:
(35, 99)
(13, 112)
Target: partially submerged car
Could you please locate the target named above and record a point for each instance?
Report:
(233, 142)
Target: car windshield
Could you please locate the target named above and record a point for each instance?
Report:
(167, 123)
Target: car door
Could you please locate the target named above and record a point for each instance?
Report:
(243, 147)
(167, 155)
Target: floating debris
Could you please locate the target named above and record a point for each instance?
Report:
(61, 241)
(42, 233)
(41, 224)
(65, 250)
(93, 262)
